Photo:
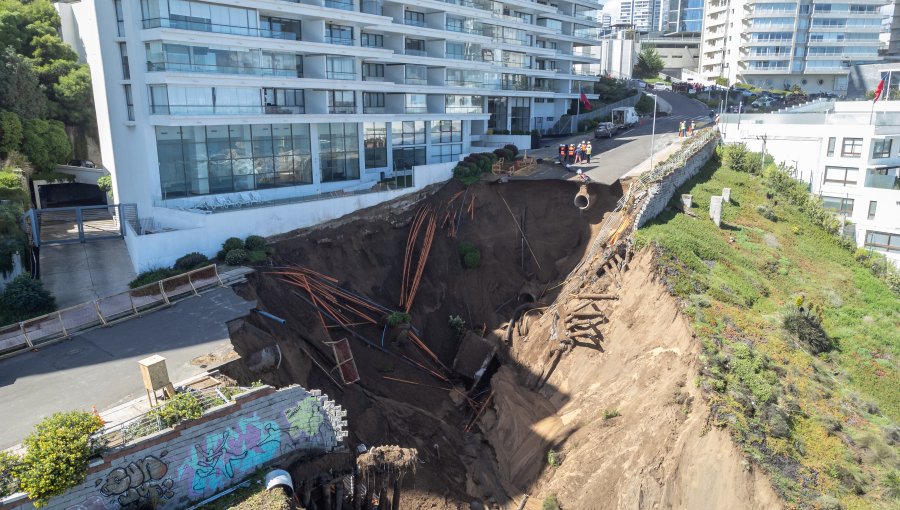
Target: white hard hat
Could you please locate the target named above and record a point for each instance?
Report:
(579, 171)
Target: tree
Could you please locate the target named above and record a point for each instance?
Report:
(73, 93)
(27, 297)
(649, 63)
(57, 455)
(20, 90)
(10, 133)
(45, 144)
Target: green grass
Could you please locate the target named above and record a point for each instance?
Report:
(817, 423)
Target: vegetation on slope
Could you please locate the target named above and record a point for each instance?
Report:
(800, 338)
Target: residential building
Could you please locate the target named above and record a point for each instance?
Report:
(894, 37)
(641, 15)
(677, 51)
(848, 152)
(779, 44)
(682, 17)
(278, 114)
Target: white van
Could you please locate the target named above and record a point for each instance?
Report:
(625, 117)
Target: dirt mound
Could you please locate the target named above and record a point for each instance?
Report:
(622, 414)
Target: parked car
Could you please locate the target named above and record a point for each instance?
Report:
(605, 130)
(763, 102)
(84, 163)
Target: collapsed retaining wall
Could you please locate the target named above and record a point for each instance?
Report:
(198, 458)
(662, 190)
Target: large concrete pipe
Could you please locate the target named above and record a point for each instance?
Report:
(582, 199)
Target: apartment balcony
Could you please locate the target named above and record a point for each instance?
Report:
(415, 109)
(196, 109)
(344, 5)
(374, 109)
(340, 75)
(375, 7)
(414, 23)
(416, 53)
(219, 29)
(342, 41)
(342, 109)
(476, 29)
(162, 66)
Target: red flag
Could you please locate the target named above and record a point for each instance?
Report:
(879, 88)
(585, 102)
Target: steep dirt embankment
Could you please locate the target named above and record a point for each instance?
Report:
(630, 425)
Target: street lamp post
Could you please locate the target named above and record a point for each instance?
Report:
(653, 131)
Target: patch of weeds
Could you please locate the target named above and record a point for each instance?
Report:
(550, 502)
(554, 458)
(609, 414)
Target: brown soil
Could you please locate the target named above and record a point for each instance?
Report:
(657, 454)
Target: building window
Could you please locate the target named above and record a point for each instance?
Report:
(414, 18)
(840, 175)
(415, 47)
(463, 104)
(284, 100)
(415, 103)
(446, 138)
(373, 102)
(838, 205)
(120, 18)
(405, 158)
(872, 206)
(339, 34)
(338, 152)
(202, 160)
(497, 109)
(415, 75)
(881, 148)
(340, 68)
(884, 178)
(831, 143)
(852, 148)
(882, 241)
(372, 40)
(404, 135)
(375, 143)
(341, 101)
(129, 102)
(279, 28)
(373, 72)
(520, 114)
(123, 52)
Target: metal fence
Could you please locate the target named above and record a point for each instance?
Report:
(153, 421)
(62, 225)
(20, 337)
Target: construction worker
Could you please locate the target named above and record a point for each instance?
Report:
(578, 153)
(587, 151)
(571, 153)
(562, 154)
(691, 130)
(681, 129)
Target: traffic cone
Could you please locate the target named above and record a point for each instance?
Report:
(96, 413)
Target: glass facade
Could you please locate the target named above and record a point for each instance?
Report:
(463, 104)
(163, 56)
(338, 152)
(520, 114)
(446, 141)
(408, 139)
(200, 160)
(375, 143)
(340, 68)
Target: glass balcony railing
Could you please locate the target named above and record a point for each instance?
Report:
(414, 22)
(417, 53)
(344, 5)
(218, 69)
(465, 56)
(416, 81)
(342, 109)
(467, 84)
(371, 7)
(218, 29)
(343, 41)
(373, 109)
(224, 110)
(415, 109)
(340, 75)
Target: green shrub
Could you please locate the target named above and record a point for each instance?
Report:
(57, 455)
(609, 414)
(232, 243)
(553, 458)
(10, 132)
(255, 243)
(741, 159)
(190, 261)
(8, 465)
(806, 325)
(550, 502)
(25, 297)
(766, 212)
(397, 318)
(512, 148)
(153, 276)
(471, 257)
(237, 257)
(105, 183)
(181, 407)
(10, 180)
(457, 324)
(257, 256)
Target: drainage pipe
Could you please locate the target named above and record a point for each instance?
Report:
(582, 199)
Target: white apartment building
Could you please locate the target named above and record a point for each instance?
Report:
(847, 152)
(270, 115)
(782, 43)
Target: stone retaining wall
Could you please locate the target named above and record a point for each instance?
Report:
(199, 458)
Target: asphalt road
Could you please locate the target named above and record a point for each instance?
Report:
(99, 367)
(614, 157)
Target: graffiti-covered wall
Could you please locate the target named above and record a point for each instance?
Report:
(201, 457)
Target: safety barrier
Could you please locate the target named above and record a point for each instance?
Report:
(22, 336)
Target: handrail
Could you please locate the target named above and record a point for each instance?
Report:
(23, 336)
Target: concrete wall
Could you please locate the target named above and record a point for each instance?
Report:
(491, 142)
(199, 458)
(205, 233)
(659, 193)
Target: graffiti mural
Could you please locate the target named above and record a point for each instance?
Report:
(92, 503)
(139, 483)
(235, 452)
(308, 417)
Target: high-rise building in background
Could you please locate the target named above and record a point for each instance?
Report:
(785, 43)
(682, 17)
(251, 111)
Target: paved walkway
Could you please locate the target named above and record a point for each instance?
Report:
(80, 272)
(99, 367)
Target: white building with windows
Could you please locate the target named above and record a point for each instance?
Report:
(848, 152)
(781, 43)
(226, 117)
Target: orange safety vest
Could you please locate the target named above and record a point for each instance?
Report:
(571, 150)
